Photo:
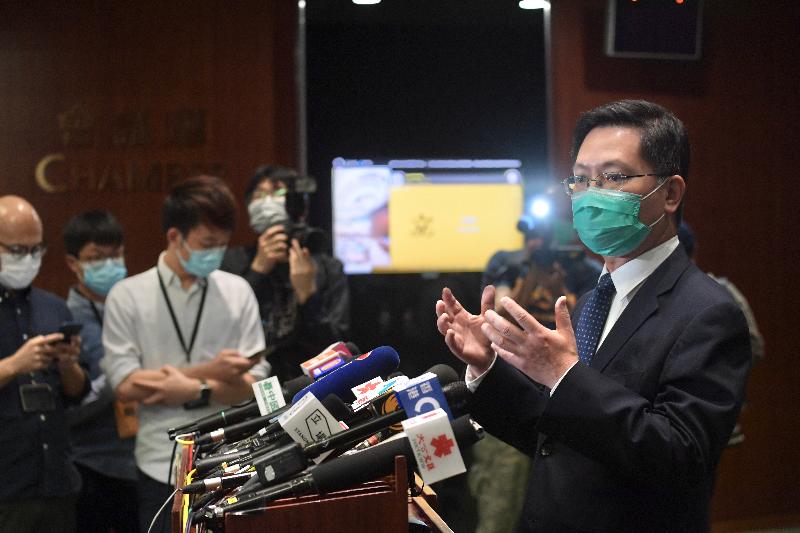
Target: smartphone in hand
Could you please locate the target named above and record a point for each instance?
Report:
(68, 329)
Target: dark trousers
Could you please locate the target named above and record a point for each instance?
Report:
(152, 495)
(46, 515)
(106, 502)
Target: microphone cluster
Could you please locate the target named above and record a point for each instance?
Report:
(342, 429)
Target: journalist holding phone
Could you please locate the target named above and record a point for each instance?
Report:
(176, 336)
(39, 375)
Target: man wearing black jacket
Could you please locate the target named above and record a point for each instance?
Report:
(627, 414)
(301, 290)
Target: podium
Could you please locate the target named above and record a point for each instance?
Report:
(380, 505)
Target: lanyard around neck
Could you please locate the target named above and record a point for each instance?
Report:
(186, 349)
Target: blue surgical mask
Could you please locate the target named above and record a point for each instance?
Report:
(607, 221)
(201, 263)
(100, 276)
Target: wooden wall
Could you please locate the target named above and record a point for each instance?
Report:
(114, 101)
(740, 104)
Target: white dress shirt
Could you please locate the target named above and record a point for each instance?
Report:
(628, 279)
(138, 332)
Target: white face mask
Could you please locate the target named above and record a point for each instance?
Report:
(18, 272)
(266, 212)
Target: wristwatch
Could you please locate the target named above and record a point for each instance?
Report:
(203, 400)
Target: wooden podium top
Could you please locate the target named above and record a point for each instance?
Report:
(380, 505)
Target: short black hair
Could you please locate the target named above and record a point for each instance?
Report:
(664, 140)
(97, 226)
(199, 200)
(273, 173)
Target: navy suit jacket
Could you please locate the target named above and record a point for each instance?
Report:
(631, 442)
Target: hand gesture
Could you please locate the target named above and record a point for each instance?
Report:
(302, 272)
(463, 331)
(543, 354)
(272, 248)
(37, 353)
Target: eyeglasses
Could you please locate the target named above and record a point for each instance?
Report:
(575, 184)
(278, 194)
(20, 250)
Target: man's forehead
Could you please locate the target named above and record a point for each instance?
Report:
(609, 148)
(93, 247)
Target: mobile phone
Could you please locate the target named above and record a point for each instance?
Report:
(68, 329)
(259, 354)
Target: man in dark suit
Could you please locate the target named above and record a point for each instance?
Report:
(626, 415)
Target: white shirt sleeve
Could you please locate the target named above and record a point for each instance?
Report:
(122, 354)
(251, 337)
(562, 377)
(473, 381)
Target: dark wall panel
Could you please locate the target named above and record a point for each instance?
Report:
(127, 98)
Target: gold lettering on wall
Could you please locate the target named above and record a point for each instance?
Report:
(77, 127)
(97, 153)
(41, 174)
(134, 176)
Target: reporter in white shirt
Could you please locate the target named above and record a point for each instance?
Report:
(176, 336)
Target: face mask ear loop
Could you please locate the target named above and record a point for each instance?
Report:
(645, 197)
(648, 195)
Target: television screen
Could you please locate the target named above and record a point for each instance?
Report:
(657, 29)
(424, 215)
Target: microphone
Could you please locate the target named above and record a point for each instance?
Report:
(214, 483)
(380, 361)
(344, 471)
(329, 359)
(278, 464)
(236, 413)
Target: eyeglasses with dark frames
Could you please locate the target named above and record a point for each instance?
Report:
(575, 184)
(20, 250)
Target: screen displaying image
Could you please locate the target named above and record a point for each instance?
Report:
(424, 215)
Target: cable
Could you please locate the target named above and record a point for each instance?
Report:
(169, 476)
(161, 510)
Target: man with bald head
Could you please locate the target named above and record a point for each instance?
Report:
(39, 374)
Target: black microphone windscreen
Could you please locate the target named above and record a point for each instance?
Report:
(354, 349)
(458, 396)
(293, 386)
(378, 461)
(444, 373)
(337, 408)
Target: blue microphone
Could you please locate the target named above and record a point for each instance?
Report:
(381, 361)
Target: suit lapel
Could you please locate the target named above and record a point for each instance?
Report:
(643, 305)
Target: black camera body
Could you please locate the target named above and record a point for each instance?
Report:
(315, 239)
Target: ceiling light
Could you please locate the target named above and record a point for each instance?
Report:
(533, 4)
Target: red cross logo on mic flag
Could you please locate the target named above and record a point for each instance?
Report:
(443, 445)
(368, 387)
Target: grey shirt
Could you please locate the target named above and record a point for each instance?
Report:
(92, 424)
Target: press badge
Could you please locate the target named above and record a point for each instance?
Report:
(37, 398)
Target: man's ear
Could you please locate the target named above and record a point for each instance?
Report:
(173, 236)
(676, 188)
(74, 265)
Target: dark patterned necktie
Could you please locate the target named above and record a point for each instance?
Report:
(593, 318)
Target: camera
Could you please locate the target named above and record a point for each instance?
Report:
(316, 240)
